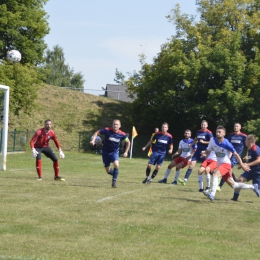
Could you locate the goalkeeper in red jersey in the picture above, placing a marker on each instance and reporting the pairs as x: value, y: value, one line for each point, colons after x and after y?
x: 40, y: 144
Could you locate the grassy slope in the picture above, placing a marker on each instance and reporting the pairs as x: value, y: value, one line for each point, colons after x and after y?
x: 71, y: 112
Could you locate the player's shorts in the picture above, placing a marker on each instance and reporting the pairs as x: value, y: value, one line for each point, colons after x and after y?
x: 255, y: 177
x: 210, y: 163
x: 180, y: 160
x: 109, y: 157
x: 197, y: 156
x: 156, y: 158
x: 225, y: 170
x: 47, y: 151
x: 233, y: 160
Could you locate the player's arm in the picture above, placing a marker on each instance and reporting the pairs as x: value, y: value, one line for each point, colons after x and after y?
x: 127, y: 142
x: 245, y: 167
x: 194, y: 141
x: 148, y: 144
x: 205, y: 153
x: 255, y: 162
x: 171, y: 148
x: 92, y: 142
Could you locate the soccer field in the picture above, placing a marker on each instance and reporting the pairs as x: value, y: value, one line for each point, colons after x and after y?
x: 84, y: 218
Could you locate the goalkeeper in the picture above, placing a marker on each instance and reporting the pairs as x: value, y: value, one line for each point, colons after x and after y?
x: 40, y: 144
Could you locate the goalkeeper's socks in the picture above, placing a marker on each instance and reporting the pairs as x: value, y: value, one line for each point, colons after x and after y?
x: 56, y: 168
x: 39, y: 167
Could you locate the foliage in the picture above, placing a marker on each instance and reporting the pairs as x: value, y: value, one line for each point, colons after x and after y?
x: 208, y: 70
x: 23, y: 26
x: 60, y: 74
x: 24, y: 82
x: 119, y: 77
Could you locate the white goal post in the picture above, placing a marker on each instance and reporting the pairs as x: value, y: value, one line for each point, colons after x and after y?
x: 5, y: 126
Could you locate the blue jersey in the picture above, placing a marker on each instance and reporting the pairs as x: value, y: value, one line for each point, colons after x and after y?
x: 112, y: 140
x: 253, y: 154
x: 238, y: 141
x: 161, y: 142
x: 205, y: 136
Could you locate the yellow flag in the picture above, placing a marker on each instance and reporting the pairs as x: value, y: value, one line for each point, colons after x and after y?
x: 134, y: 132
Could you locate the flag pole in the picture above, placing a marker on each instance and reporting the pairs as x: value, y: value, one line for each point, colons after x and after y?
x: 134, y: 134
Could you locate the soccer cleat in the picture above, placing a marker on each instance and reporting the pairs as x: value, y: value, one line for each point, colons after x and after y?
x: 205, y: 192
x: 145, y: 180
x: 207, y: 188
x: 163, y: 181
x: 39, y: 179
x: 201, y: 190
x: 210, y: 196
x: 149, y: 181
x: 114, y: 184
x: 182, y: 181
x: 218, y: 189
x: 174, y: 182
x: 58, y: 178
x: 231, y: 200
x: 256, y: 190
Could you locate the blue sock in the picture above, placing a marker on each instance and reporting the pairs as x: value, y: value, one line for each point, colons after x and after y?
x: 111, y: 171
x: 221, y: 183
x: 115, y: 173
x: 236, y: 194
x: 188, y: 173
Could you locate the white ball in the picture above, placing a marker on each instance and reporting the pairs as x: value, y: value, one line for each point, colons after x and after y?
x: 14, y: 56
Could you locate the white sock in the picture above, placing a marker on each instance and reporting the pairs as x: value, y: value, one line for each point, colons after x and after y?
x: 208, y: 179
x: 241, y: 185
x: 185, y: 180
x: 214, y: 186
x: 200, y: 181
x: 177, y: 174
x: 168, y: 171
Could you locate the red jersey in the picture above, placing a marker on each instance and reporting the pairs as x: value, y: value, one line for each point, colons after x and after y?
x: 41, y: 139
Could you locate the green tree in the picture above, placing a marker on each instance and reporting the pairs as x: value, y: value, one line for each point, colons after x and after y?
x: 23, y: 26
x: 59, y: 73
x: 208, y: 70
x: 119, y: 77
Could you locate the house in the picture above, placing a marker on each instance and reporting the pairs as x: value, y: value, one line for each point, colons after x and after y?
x: 117, y: 92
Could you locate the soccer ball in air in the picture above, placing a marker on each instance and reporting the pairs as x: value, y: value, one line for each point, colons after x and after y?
x: 14, y: 56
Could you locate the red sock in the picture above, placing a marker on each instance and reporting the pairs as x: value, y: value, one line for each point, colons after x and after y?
x: 39, y: 167
x: 56, y: 168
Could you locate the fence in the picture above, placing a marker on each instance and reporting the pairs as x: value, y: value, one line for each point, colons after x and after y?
x: 139, y: 142
x: 18, y: 140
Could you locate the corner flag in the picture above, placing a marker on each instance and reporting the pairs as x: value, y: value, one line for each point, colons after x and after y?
x: 134, y: 134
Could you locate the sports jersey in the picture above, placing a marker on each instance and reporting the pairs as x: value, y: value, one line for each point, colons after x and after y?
x: 253, y: 154
x: 112, y: 139
x: 162, y: 141
x: 205, y: 135
x: 222, y: 150
x: 186, y: 148
x: 212, y: 156
x: 41, y: 139
x: 238, y: 141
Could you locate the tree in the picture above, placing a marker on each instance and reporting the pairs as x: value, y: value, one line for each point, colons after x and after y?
x: 119, y: 77
x: 208, y: 70
x: 60, y: 74
x: 23, y: 26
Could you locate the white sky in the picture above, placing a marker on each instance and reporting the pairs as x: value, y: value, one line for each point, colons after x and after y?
x: 99, y: 36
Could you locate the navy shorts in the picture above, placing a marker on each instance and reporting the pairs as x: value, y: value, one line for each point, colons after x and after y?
x: 197, y: 156
x: 109, y: 157
x: 156, y: 158
x: 255, y: 177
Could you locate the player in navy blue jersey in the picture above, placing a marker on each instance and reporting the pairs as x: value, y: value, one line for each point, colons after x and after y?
x: 237, y: 138
x: 160, y: 143
x: 253, y: 161
x: 110, y: 148
x: 202, y: 139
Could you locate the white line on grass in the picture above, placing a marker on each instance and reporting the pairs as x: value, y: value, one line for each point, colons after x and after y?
x: 128, y: 192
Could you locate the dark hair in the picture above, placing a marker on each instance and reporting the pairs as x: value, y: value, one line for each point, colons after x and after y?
x: 221, y: 127
x: 47, y: 120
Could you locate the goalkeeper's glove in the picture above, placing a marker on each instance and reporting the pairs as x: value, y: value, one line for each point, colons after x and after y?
x: 62, y: 155
x: 34, y: 153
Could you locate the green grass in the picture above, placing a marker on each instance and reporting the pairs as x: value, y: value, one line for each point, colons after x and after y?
x: 84, y: 218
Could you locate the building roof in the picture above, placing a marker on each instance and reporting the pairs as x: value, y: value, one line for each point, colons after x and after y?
x: 117, y: 92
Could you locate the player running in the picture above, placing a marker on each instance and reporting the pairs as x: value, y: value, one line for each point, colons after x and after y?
x: 110, y: 148
x: 161, y: 141
x: 223, y: 149
x: 184, y: 153
x: 40, y: 144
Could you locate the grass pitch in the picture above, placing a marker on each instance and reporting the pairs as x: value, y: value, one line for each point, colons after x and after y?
x: 84, y: 218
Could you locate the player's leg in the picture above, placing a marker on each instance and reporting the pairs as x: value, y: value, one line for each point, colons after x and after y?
x: 152, y: 161
x: 212, y: 165
x: 200, y: 177
x: 158, y: 161
x: 189, y: 171
x: 168, y: 171
x: 217, y: 173
x: 38, y: 163
x: 106, y: 161
x: 177, y: 173
x: 115, y: 173
x: 237, y: 191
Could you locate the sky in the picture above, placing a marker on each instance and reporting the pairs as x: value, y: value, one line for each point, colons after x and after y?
x: 98, y: 37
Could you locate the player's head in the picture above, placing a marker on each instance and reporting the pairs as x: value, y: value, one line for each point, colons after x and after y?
x: 156, y: 129
x: 220, y: 132
x: 116, y: 125
x: 204, y: 124
x: 250, y: 140
x: 187, y: 133
x: 165, y: 127
x: 237, y: 127
x: 47, y: 124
